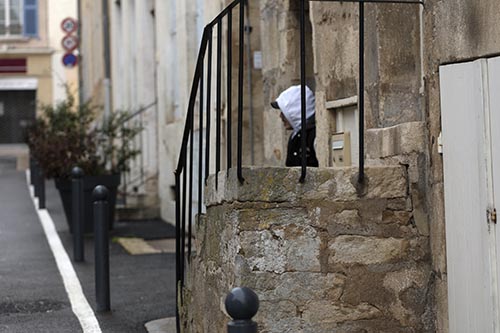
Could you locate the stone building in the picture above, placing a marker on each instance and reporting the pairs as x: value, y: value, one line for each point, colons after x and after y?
x: 153, y: 48
x: 31, y: 67
x: 331, y: 254
x: 181, y: 23
x: 119, y: 72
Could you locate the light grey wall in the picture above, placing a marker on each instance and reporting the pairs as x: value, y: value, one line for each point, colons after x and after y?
x: 453, y: 32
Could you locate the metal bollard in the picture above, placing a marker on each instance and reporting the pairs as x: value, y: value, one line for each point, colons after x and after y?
x: 101, y: 216
x: 242, y: 304
x: 41, y: 188
x: 77, y: 221
x: 34, y: 177
x: 32, y: 170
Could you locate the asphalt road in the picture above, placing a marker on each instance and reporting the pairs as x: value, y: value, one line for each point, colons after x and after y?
x: 32, y: 295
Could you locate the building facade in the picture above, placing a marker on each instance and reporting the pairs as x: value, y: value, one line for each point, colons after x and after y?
x: 153, y: 51
x: 421, y: 63
x: 31, y: 69
x: 430, y: 106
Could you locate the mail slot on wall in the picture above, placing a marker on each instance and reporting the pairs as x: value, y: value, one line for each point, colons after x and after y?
x: 340, y: 149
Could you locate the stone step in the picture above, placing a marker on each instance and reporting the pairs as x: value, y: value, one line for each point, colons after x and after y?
x: 19, y: 152
x: 137, y: 213
x: 164, y: 325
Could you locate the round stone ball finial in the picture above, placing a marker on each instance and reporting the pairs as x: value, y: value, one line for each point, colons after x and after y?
x: 77, y: 172
x: 242, y: 303
x: 100, y: 193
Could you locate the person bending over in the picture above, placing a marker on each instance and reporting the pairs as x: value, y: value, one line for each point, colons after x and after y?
x: 289, y: 103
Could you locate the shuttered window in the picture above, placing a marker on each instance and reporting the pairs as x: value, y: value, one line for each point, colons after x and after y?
x: 19, y: 18
x: 31, y: 18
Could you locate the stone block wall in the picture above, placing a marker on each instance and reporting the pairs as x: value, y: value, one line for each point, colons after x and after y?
x: 324, y: 256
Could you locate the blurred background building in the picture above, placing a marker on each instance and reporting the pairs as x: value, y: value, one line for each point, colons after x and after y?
x: 31, y: 64
x: 31, y: 67
x: 140, y: 56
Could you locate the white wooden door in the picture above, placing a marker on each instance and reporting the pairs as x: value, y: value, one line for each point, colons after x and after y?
x: 469, y: 99
x: 494, y: 112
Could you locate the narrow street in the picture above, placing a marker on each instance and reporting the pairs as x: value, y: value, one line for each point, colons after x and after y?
x: 33, y: 297
x: 32, y: 294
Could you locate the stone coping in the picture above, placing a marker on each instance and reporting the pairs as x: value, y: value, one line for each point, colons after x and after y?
x: 279, y: 184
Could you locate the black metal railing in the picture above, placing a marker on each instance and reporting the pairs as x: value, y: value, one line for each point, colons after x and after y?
x: 201, y: 92
x: 216, y: 31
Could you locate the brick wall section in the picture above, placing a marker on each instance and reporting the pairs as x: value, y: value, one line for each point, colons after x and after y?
x: 324, y: 256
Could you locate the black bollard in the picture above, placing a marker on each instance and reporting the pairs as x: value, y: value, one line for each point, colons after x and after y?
x: 32, y: 170
x: 41, y: 188
x: 34, y: 176
x: 101, y: 216
x: 77, y: 220
x: 242, y: 304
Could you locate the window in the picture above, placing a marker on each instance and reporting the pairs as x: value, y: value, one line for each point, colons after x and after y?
x: 18, y: 18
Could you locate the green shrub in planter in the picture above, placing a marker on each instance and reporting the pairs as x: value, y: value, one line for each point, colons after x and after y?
x: 67, y: 135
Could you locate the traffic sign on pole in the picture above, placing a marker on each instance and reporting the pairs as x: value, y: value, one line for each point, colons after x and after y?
x: 69, y: 25
x: 70, y: 60
x: 69, y: 43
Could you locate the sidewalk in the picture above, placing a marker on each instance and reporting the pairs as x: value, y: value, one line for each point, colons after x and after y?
x: 142, y: 286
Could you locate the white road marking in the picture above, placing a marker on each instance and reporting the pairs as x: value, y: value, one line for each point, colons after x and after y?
x: 79, y: 304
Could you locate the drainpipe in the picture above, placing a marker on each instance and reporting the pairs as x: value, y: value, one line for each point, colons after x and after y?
x: 107, y: 70
x: 80, y: 69
x: 107, y: 61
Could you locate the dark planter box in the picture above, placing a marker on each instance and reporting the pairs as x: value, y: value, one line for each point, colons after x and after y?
x: 89, y: 183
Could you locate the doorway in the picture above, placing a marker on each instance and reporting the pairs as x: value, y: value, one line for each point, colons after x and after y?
x: 17, y: 113
x: 470, y: 116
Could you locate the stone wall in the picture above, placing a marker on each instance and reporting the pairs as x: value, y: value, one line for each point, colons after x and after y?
x: 393, y: 74
x: 323, y: 256
x: 404, y: 46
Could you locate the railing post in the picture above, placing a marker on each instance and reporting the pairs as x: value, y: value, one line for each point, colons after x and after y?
x: 242, y: 304
x: 239, y: 152
x: 101, y: 216
x: 218, y: 102
x: 303, y: 89
x: 208, y: 106
x: 77, y: 220
x: 361, y: 92
x: 179, y: 273
x: 229, y: 87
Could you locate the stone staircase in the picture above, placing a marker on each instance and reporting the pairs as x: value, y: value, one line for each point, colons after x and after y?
x: 329, y: 255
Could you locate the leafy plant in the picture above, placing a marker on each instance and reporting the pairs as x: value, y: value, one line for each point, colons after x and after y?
x: 115, y: 140
x: 67, y: 134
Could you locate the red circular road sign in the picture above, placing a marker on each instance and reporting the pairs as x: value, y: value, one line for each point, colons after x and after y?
x: 69, y: 43
x: 69, y: 60
x: 69, y: 25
